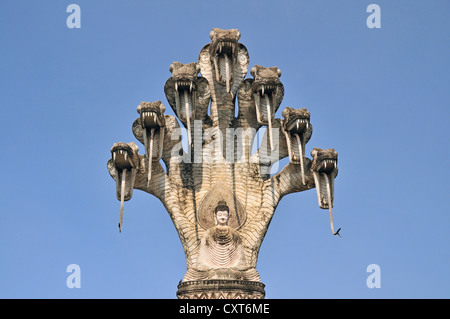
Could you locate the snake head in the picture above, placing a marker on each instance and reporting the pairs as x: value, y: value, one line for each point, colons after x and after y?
x: 123, y: 166
x: 149, y: 130
x: 125, y: 156
x: 151, y: 114
x: 324, y: 169
x: 224, y: 41
x: 298, y: 130
x: 181, y: 90
x: 184, y: 75
x: 224, y: 53
x: 268, y: 92
x: 324, y: 161
x: 187, y: 93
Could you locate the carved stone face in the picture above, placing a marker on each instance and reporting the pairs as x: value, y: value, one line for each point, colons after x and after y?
x: 222, y: 217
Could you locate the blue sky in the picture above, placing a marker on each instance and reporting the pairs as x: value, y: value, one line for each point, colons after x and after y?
x: 380, y: 97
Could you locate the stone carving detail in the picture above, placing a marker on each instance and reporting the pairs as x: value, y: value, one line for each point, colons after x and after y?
x: 220, y: 195
x: 188, y: 94
x: 206, y: 211
x: 220, y: 289
x: 123, y: 167
x: 297, y: 130
x: 221, y: 254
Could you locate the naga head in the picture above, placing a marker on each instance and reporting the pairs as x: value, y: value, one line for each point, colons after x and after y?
x: 223, y: 52
x: 324, y: 169
x: 181, y: 89
x: 224, y: 41
x: 151, y: 114
x: 324, y: 161
x: 297, y: 130
x: 296, y: 121
x: 184, y: 75
x: 268, y: 92
x: 149, y: 130
x: 123, y: 167
x: 125, y: 156
x: 187, y: 93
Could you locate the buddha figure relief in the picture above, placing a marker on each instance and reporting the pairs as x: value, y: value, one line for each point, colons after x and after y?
x: 221, y: 253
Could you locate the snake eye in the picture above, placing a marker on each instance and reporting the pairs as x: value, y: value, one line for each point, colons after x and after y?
x: 171, y: 68
x: 253, y: 71
x: 238, y: 35
x: 279, y: 73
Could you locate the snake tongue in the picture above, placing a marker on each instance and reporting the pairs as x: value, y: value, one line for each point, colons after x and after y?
x: 322, y: 179
x: 223, y: 65
x: 269, y: 120
x: 150, y: 155
x: 227, y: 73
x: 330, y: 205
x: 188, y: 119
x: 122, y: 197
x: 300, y: 152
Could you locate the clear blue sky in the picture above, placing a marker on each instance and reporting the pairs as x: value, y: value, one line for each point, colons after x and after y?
x: 380, y: 97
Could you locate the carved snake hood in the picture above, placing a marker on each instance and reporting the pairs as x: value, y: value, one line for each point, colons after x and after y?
x: 123, y: 167
x: 324, y: 169
x: 260, y: 97
x: 188, y: 94
x: 297, y: 130
x: 224, y: 63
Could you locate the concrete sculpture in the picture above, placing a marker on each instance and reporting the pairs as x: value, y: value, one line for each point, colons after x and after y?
x: 220, y: 194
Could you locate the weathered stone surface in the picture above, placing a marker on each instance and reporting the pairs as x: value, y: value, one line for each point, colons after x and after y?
x: 221, y: 289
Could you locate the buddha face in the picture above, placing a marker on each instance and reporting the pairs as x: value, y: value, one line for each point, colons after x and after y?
x: 222, y: 217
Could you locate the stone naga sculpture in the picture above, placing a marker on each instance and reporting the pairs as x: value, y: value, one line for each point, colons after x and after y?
x: 151, y: 123
x: 218, y: 172
x: 123, y: 168
x: 188, y: 94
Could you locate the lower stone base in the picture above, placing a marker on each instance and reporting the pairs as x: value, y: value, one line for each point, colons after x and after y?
x: 221, y: 289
